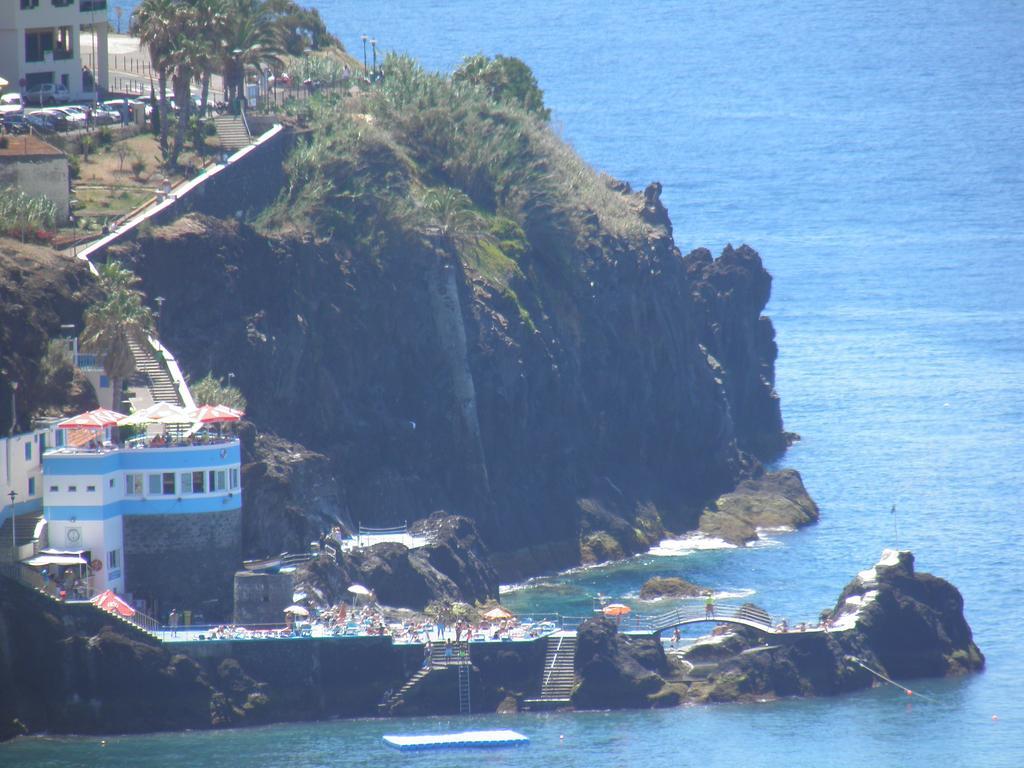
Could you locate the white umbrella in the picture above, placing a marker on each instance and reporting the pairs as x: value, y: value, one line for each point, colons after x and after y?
x: 297, y: 610
x: 356, y: 590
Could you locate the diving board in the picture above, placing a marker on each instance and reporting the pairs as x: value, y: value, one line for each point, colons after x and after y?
x: 500, y: 738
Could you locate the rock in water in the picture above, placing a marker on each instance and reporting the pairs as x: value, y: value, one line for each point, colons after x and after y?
x: 669, y: 587
x: 774, y: 500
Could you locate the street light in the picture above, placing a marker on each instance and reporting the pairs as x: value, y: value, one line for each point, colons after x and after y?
x: 14, y: 541
x: 159, y: 312
x: 373, y: 44
x: 363, y: 38
x: 14, y: 405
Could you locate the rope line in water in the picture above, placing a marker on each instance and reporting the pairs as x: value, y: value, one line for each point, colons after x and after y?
x: 882, y: 677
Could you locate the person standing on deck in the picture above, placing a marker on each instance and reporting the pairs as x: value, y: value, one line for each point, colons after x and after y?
x: 709, y: 607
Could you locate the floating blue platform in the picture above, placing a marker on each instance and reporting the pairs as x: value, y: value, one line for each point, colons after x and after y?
x: 465, y: 739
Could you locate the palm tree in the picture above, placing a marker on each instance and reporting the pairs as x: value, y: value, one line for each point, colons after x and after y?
x: 449, y: 216
x: 251, y: 39
x: 157, y: 24
x: 115, y: 320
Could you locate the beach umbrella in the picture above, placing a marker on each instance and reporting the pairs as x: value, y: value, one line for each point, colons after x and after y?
x: 498, y: 613
x: 357, y: 590
x: 616, y: 609
x: 297, y: 610
x: 214, y: 414
x: 111, y: 602
x: 101, y: 418
x: 157, y: 413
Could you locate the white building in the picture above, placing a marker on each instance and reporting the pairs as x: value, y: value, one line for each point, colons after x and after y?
x: 21, y: 473
x: 40, y: 43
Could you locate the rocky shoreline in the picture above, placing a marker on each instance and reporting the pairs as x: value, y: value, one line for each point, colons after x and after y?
x: 66, y: 669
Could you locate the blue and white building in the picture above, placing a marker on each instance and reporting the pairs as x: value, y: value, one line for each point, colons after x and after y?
x: 126, y: 507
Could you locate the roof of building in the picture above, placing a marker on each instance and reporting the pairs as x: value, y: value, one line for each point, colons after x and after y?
x: 28, y: 146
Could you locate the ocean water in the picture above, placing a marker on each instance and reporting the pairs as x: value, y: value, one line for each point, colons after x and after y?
x: 872, y: 152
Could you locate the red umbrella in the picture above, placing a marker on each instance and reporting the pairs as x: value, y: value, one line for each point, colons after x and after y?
x: 211, y: 414
x: 111, y: 602
x: 101, y: 418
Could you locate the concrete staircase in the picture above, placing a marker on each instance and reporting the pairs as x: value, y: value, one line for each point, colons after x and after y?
x: 24, y: 529
x: 160, y: 386
x: 232, y: 132
x: 559, y: 674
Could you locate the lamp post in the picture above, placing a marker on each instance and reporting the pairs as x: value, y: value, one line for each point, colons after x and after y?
x: 373, y: 44
x: 363, y: 38
x: 231, y: 378
x: 159, y: 312
x: 14, y: 541
x: 14, y: 405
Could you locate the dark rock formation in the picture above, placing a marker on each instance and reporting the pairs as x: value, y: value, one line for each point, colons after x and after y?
x: 575, y: 415
x: 39, y: 291
x: 669, y: 587
x: 773, y: 500
x: 618, y: 672
x: 452, y: 567
x: 291, y: 496
x: 890, y: 619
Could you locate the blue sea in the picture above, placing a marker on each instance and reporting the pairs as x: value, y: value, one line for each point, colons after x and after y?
x: 873, y: 153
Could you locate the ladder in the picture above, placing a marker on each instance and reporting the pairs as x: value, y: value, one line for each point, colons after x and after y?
x: 465, y: 707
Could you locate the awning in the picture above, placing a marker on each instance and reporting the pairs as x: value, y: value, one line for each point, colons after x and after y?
x: 42, y: 560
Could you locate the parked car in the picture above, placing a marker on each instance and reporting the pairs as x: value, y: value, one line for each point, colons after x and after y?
x: 106, y: 115
x: 47, y: 93
x: 123, y: 108
x: 75, y: 115
x: 11, y: 103
x: 47, y: 120
x: 14, y: 122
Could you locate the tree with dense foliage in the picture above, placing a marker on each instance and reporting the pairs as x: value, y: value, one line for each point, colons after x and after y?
x: 300, y: 29
x: 505, y: 78
x: 210, y: 390
x: 156, y: 23
x: 115, y: 320
x: 251, y: 41
x: 449, y: 216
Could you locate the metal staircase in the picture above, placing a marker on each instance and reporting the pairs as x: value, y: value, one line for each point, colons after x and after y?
x: 465, y: 705
x: 232, y: 131
x: 160, y: 385
x: 439, y: 662
x: 559, y: 673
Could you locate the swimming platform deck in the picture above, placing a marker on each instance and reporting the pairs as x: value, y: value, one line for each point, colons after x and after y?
x: 497, y: 738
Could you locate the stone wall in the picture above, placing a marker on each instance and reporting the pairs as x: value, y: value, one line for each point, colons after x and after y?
x: 47, y: 176
x: 260, y: 598
x: 184, y: 561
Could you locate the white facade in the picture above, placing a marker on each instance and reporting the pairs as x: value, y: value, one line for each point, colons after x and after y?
x: 40, y: 43
x: 21, y: 471
x: 87, y: 495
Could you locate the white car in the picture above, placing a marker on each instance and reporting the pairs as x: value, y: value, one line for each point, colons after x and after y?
x: 47, y: 93
x: 11, y: 103
x: 75, y: 115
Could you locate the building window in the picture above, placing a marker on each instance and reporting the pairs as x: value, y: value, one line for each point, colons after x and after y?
x: 192, y: 482
x: 29, y: 4
x: 90, y: 489
x: 133, y: 484
x: 63, y: 47
x: 234, y: 479
x: 110, y: 483
x: 161, y: 484
x: 28, y: 451
x: 88, y: 6
x: 72, y: 489
x: 62, y: 3
x: 53, y: 489
x: 114, y: 559
x: 217, y: 478
x: 38, y: 44
x: 31, y: 486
